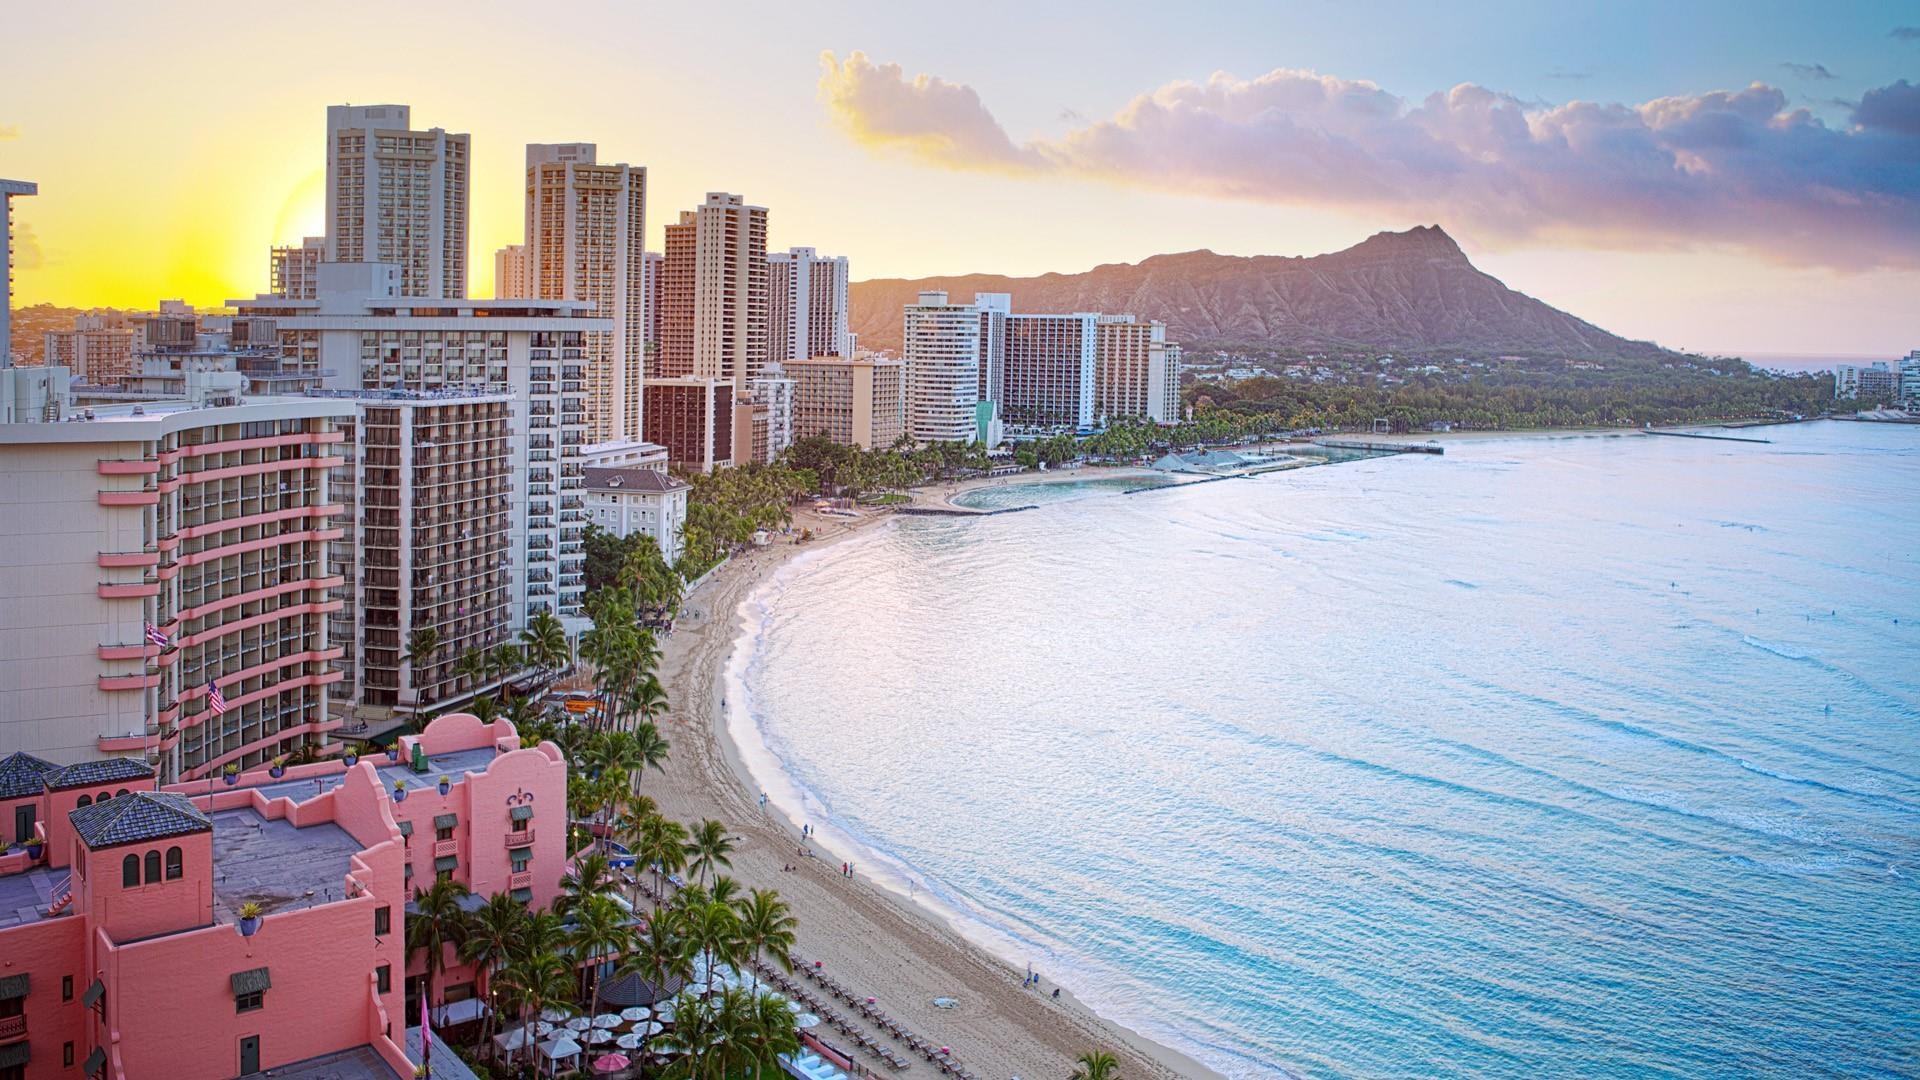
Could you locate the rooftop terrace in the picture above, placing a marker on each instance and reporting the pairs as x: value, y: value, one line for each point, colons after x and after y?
x: 276, y: 865
x: 24, y: 897
x: 450, y: 765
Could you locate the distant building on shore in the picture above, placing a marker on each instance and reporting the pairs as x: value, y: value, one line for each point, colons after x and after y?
x: 855, y: 401
x: 294, y: 272
x: 629, y: 501
x: 1877, y: 381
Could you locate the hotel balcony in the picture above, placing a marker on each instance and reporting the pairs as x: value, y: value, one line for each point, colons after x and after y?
x: 13, y: 1029
x: 520, y: 839
x: 521, y: 880
x: 443, y: 848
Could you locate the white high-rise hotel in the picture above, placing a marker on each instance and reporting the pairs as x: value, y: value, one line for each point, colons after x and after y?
x: 397, y: 196
x: 807, y: 305
x: 586, y: 241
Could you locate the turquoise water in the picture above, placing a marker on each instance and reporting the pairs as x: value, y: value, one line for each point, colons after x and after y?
x: 1582, y: 756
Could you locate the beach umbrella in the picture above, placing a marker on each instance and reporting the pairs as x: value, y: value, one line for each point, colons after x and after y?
x: 636, y: 1013
x: 598, y: 1036
x: 579, y: 1023
x: 608, y: 1020
x: 542, y: 1029
x: 649, y: 1029
x: 553, y: 1015
x: 805, y: 1021
x: 630, y: 1041
x: 612, y: 1063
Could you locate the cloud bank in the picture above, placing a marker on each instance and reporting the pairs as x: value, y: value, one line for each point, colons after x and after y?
x: 1728, y: 168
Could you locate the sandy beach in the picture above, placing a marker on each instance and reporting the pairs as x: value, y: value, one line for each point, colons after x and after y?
x: 872, y: 941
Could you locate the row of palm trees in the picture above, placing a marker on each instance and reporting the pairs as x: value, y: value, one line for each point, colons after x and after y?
x: 542, y: 645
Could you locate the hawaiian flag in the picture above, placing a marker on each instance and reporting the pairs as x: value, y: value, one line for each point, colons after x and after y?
x: 216, y: 700
x: 155, y: 637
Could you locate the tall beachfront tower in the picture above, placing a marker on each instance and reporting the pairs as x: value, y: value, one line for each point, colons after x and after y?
x: 395, y: 195
x: 160, y: 550
x: 8, y: 190
x: 940, y: 344
x: 1048, y: 372
x: 586, y: 230
x: 807, y: 305
x: 294, y: 271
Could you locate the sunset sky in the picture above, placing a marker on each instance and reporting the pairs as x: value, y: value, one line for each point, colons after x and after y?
x: 1727, y: 177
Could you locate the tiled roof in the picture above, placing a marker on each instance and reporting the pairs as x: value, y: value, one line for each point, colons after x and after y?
x: 138, y: 817
x: 640, y: 480
x: 22, y: 774
x: 105, y: 771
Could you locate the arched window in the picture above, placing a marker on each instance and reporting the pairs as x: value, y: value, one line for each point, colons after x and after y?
x: 86, y: 800
x: 130, y: 871
x: 153, y: 868
x: 174, y: 864
x: 119, y: 793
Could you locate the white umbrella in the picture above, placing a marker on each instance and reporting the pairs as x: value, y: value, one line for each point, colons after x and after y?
x: 629, y: 1041
x: 792, y: 1006
x: 542, y: 1029
x: 636, y: 1013
x: 609, y: 1020
x: 553, y: 1015
x: 512, y: 1039
x: 598, y: 1036
x: 805, y: 1021
x: 649, y: 1029
x: 664, y: 1012
x: 579, y: 1023
x: 560, y: 1047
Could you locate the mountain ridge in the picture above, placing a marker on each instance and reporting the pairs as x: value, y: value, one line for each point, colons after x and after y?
x: 1413, y: 290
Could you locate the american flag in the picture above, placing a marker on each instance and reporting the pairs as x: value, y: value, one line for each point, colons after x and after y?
x: 155, y: 637
x: 216, y: 700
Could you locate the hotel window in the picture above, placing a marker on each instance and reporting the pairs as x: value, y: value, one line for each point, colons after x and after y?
x: 521, y: 859
x: 249, y: 1002
x: 86, y: 800
x: 382, y: 920
x: 66, y: 988
x: 130, y: 872
x: 383, y: 978
x: 153, y: 868
x: 66, y: 1056
x: 175, y: 864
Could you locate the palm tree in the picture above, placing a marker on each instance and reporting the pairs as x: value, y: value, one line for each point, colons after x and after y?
x: 493, y: 935
x: 441, y: 922
x: 773, y: 1033
x: 533, y: 983
x: 1096, y: 1065
x: 646, y: 749
x: 709, y: 847
x: 661, y: 844
x: 485, y: 709
x: 545, y: 641
x: 766, y: 928
x: 589, y: 877
x: 600, y: 932
x: 662, y: 954
x: 714, y: 929
x: 472, y: 666
x: 422, y: 643
x: 504, y: 660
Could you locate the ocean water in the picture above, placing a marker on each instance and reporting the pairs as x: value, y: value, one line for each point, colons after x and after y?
x: 1555, y: 756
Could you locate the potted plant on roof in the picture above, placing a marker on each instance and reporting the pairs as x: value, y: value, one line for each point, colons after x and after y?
x: 34, y: 847
x: 231, y: 773
x: 446, y: 785
x: 393, y: 752
x: 350, y: 757
x: 399, y: 791
x: 278, y: 768
x: 250, y: 913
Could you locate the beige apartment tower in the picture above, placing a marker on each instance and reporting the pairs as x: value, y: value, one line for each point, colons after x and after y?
x: 295, y: 271
x: 395, y: 195
x: 512, y: 275
x: 855, y: 402
x: 586, y: 229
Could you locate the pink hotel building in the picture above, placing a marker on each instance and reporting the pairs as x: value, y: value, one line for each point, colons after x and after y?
x: 122, y: 954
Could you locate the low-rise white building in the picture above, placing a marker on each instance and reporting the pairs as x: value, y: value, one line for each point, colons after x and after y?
x: 625, y: 501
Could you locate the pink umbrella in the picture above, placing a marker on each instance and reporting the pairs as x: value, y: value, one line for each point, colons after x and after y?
x: 611, y: 1063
